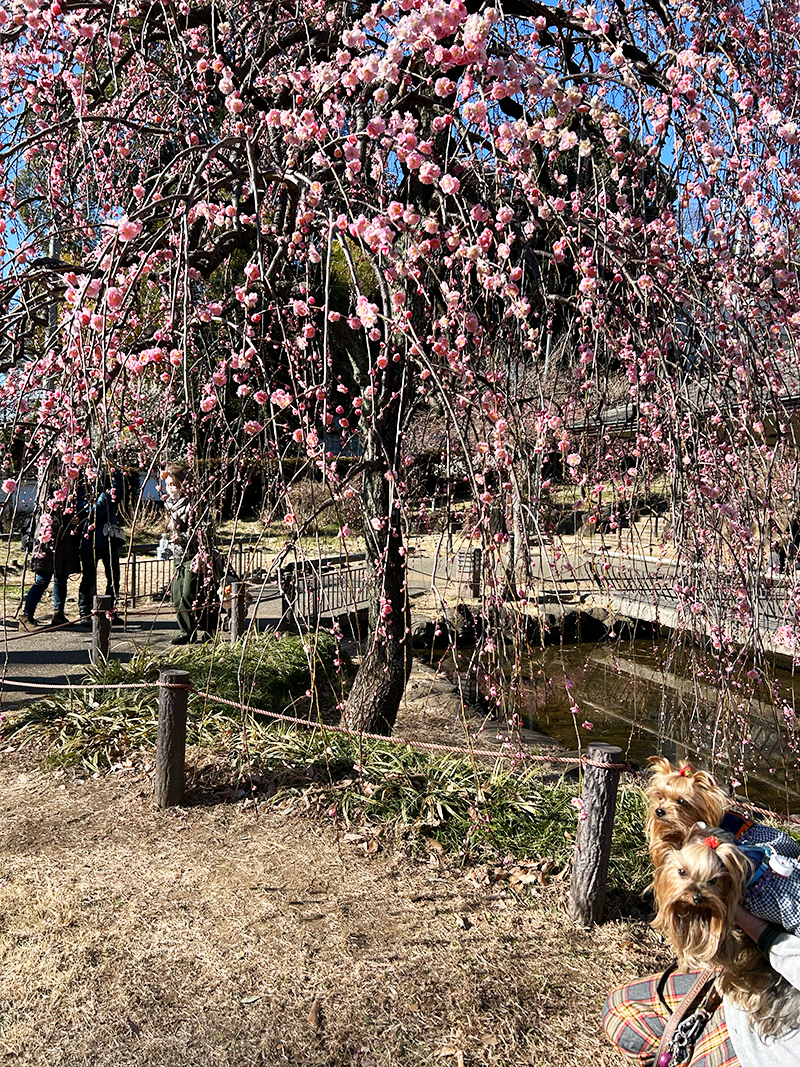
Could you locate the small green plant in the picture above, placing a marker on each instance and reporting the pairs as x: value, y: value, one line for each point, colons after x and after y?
x: 97, y: 727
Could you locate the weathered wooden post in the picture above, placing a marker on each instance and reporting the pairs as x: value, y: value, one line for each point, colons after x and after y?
x: 101, y: 628
x: 477, y: 564
x: 472, y: 688
x: 173, y: 699
x: 593, y: 846
x: 288, y: 586
x: 314, y: 596
x: 238, y: 611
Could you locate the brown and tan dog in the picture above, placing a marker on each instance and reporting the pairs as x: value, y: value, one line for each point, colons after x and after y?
x: 679, y: 797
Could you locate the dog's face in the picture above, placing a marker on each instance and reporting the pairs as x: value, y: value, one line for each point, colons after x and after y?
x: 697, y: 889
x: 678, y: 799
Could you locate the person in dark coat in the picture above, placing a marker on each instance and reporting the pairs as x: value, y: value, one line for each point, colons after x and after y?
x: 195, y: 592
x: 99, y: 546
x: 55, y: 556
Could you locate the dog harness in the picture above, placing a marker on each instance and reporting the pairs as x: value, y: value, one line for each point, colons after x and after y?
x: 773, y: 891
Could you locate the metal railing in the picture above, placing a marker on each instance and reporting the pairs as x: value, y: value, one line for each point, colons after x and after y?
x: 671, y: 584
x: 465, y: 568
x: 312, y: 589
x: 149, y: 578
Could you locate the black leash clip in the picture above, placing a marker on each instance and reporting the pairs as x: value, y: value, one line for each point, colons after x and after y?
x: 681, y: 1047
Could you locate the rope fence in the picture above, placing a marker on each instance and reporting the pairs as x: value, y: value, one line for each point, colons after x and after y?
x: 517, y: 756
x: 601, y: 768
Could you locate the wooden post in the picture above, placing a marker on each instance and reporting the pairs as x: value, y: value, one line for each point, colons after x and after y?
x: 477, y: 561
x: 238, y: 611
x: 472, y: 688
x: 288, y: 584
x: 173, y: 699
x: 314, y: 597
x: 593, y: 847
x: 132, y: 579
x: 101, y: 628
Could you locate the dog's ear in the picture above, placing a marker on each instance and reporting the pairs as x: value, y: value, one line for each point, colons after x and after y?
x: 663, y: 878
x: 717, y: 930
x: 738, y: 868
x: 706, y: 781
x: 714, y: 798
x: 660, y: 765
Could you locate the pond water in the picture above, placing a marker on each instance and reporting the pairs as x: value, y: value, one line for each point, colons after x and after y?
x: 649, y: 699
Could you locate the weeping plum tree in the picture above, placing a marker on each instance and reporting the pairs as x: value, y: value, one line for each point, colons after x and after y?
x: 284, y: 230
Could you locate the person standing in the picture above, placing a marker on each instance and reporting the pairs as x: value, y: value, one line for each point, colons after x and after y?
x: 634, y: 1017
x: 55, y: 556
x: 194, y: 585
x: 99, y: 545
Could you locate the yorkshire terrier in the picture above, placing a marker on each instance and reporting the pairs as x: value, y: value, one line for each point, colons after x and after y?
x: 680, y: 797
x: 698, y: 888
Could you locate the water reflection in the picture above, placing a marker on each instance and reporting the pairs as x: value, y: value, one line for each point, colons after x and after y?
x: 673, y: 700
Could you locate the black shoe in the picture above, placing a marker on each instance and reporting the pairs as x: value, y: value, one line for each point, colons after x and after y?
x: 28, y: 623
x: 59, y: 619
x: 180, y: 639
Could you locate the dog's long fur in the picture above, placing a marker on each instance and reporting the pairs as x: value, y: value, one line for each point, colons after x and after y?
x: 697, y: 889
x: 679, y: 797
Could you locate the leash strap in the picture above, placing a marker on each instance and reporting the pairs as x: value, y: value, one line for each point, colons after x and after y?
x: 688, y: 1020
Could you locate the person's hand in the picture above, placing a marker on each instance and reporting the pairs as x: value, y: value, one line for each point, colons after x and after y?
x: 749, y: 923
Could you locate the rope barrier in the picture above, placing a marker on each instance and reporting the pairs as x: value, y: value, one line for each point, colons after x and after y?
x: 425, y: 746
x: 21, y: 684
x: 749, y: 806
x: 21, y: 636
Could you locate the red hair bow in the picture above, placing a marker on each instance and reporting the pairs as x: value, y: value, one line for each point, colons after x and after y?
x: 684, y: 771
x: 712, y: 842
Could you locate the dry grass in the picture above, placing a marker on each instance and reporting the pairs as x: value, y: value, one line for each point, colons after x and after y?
x: 221, y: 935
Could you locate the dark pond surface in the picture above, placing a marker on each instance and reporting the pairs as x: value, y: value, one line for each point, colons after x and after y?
x: 649, y: 699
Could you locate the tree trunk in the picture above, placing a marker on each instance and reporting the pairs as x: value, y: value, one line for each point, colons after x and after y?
x: 386, y: 664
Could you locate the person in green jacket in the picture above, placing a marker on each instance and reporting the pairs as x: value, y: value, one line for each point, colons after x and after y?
x: 194, y: 585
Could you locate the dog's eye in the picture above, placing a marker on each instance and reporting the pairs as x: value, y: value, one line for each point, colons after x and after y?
x: 712, y: 881
x: 681, y: 872
x: 681, y: 801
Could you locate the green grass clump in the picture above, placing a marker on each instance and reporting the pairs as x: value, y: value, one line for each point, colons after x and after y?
x: 474, y: 811
x: 99, y: 727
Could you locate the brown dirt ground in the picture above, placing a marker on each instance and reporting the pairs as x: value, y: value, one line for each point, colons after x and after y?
x: 223, y: 934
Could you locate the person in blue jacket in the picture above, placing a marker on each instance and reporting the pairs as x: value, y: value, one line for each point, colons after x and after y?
x: 99, y: 545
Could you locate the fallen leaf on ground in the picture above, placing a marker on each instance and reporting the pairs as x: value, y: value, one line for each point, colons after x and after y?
x: 315, y: 1014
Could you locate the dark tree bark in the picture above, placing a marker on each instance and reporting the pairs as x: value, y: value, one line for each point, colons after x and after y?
x: 386, y: 663
x: 385, y: 667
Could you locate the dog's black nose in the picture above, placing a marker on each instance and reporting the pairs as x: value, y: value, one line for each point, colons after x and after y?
x: 660, y: 813
x: 697, y: 897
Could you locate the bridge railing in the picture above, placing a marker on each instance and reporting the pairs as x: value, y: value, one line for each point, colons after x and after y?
x: 327, y: 587
x: 145, y: 577
x: 662, y: 582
